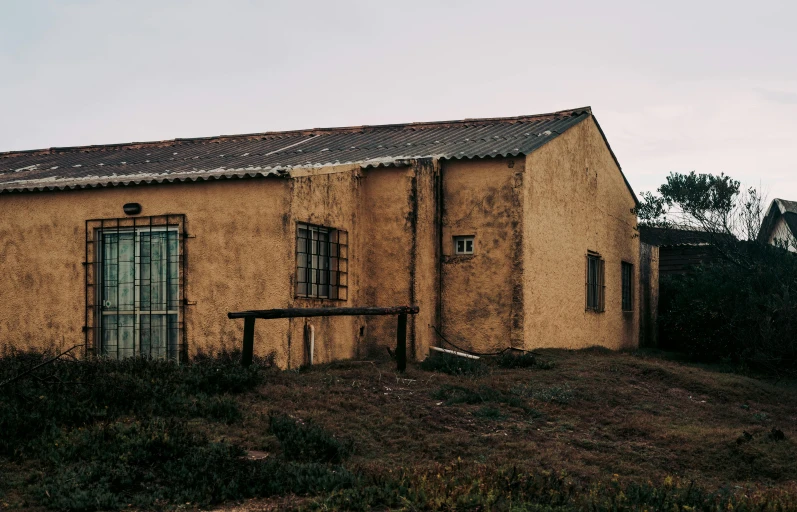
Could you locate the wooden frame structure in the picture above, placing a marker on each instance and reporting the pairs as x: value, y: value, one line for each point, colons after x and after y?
x: 267, y: 314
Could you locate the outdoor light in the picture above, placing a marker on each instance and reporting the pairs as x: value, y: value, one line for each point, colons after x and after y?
x: 132, y: 208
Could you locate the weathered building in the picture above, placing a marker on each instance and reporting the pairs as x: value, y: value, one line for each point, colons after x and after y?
x: 680, y: 250
x: 779, y: 225
x: 505, y: 232
x: 667, y: 251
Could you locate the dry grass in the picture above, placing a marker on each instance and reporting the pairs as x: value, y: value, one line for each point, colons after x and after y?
x: 595, y: 414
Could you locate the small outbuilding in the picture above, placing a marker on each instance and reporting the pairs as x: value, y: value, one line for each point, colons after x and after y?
x: 779, y: 226
x: 507, y: 232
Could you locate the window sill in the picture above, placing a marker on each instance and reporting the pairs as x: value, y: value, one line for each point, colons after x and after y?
x: 318, y: 300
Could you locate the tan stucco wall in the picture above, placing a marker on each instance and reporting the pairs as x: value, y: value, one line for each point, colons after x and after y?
x: 239, y: 257
x: 327, y: 197
x: 386, y: 249
x: 575, y: 201
x: 425, y: 271
x: 479, y: 306
x: 399, y: 241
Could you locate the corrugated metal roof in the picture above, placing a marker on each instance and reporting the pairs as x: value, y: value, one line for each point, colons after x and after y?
x: 673, y: 236
x: 274, y: 153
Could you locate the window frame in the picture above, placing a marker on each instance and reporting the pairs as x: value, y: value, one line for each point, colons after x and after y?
x: 595, y: 283
x: 465, y: 239
x: 627, y: 286
x: 332, y: 274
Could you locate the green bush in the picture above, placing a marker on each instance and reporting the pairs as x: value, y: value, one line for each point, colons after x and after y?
x: 159, y: 462
x: 452, y: 395
x: 556, y: 394
x: 488, y: 413
x: 453, y: 365
x: 70, y: 393
x: 306, y: 441
x: 461, y: 395
x: 741, y: 310
x: 510, y: 359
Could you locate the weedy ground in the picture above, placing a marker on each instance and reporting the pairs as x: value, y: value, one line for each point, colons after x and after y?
x: 565, y: 430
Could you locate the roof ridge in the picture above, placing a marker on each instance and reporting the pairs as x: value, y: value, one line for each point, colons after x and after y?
x: 289, y: 133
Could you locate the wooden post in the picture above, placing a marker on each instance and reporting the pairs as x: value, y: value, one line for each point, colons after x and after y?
x: 249, y: 341
x: 401, y: 343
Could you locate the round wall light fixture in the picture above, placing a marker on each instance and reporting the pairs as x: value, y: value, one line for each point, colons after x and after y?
x: 132, y: 209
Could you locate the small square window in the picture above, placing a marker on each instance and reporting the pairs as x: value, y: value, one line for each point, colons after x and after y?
x: 463, y: 244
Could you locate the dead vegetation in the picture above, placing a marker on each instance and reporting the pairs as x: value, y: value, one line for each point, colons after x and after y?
x: 638, y: 426
x: 593, y: 414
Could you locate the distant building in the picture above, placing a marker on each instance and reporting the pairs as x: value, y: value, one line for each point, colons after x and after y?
x: 679, y: 250
x: 663, y: 252
x: 780, y: 224
x: 505, y: 232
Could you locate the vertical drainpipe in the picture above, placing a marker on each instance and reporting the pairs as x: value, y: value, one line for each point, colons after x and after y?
x: 439, y: 196
x: 413, y: 248
x: 425, y: 219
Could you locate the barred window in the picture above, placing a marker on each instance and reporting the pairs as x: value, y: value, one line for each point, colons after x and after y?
x: 627, y: 276
x: 134, y: 287
x: 595, y: 282
x: 321, y: 262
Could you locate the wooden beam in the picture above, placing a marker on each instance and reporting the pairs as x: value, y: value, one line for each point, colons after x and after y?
x: 249, y: 342
x: 401, y: 343
x: 309, y: 312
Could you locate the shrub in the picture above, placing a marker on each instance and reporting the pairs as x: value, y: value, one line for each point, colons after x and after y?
x: 510, y: 359
x: 69, y: 393
x: 453, y: 365
x: 556, y: 394
x: 452, y: 395
x: 744, y: 314
x: 488, y: 413
x: 460, y: 395
x: 307, y: 442
x: 158, y: 462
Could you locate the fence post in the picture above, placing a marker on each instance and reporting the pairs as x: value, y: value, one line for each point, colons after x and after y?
x: 249, y: 341
x: 401, y: 343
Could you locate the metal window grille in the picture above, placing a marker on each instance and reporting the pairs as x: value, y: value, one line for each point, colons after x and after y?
x: 322, y: 262
x: 595, y: 283
x: 135, y: 287
x: 627, y: 277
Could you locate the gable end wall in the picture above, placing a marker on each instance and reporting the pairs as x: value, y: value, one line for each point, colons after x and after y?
x: 576, y: 200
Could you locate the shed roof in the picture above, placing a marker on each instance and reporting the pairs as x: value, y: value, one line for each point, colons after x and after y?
x: 675, y: 236
x: 275, y: 153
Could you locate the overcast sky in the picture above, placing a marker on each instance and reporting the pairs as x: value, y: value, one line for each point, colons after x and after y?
x: 704, y: 86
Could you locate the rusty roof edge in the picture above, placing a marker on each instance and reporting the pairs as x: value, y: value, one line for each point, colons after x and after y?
x: 290, y: 133
x: 138, y: 179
